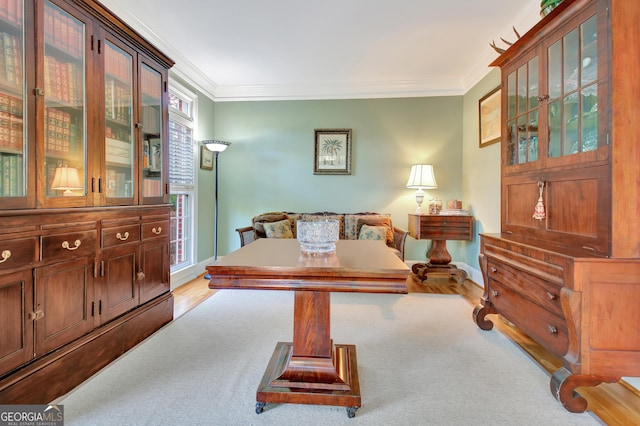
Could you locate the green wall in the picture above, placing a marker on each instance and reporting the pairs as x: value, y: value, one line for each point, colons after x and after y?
x: 269, y: 165
x: 481, y: 177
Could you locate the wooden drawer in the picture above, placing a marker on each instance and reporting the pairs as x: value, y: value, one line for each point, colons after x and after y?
x: 537, y: 290
x: 544, y: 327
x: 122, y: 234
x: 153, y: 230
x: 69, y: 245
x: 440, y: 227
x: 18, y: 252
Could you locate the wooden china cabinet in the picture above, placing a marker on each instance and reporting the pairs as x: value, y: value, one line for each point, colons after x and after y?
x: 566, y: 266
x: 84, y: 213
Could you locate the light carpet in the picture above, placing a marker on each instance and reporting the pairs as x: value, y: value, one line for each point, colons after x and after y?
x: 421, y: 361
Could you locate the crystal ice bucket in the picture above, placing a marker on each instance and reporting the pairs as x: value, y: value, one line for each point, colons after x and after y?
x: 318, y: 236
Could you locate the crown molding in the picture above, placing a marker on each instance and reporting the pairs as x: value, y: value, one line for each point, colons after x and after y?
x: 356, y: 90
x: 183, y: 68
x: 523, y: 22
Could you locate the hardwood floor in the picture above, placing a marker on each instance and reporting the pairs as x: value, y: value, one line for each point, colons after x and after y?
x: 614, y: 404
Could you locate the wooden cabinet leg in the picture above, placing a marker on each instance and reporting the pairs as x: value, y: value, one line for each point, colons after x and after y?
x: 479, y: 314
x: 563, y: 387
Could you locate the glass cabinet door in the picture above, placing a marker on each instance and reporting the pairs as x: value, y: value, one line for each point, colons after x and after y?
x: 65, y: 142
x: 522, y: 113
x: 119, y: 140
x: 151, y: 124
x: 13, y: 146
x: 573, y: 91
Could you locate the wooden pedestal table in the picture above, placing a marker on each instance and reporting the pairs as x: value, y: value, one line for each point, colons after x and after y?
x: 439, y: 229
x: 311, y: 369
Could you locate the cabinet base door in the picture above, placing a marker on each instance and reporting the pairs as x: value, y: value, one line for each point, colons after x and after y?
x: 16, y: 328
x: 64, y: 295
x: 118, y: 290
x: 154, y: 260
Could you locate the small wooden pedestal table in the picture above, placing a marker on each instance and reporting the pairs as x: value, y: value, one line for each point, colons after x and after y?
x: 440, y: 228
x: 311, y: 369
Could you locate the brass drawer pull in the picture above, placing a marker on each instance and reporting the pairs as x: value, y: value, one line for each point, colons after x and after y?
x: 552, y: 329
x: 157, y: 231
x: 494, y: 269
x: 551, y: 296
x: 121, y: 237
x: 140, y: 275
x: 6, y: 254
x: 76, y: 243
x: 495, y: 293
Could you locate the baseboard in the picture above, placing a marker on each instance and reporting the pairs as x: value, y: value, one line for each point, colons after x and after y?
x: 189, y: 273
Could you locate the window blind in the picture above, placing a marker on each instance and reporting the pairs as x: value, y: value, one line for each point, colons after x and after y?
x: 181, y: 158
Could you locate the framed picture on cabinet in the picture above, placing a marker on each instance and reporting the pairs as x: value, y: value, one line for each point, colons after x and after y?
x: 489, y: 113
x: 332, y: 152
x: 206, y: 158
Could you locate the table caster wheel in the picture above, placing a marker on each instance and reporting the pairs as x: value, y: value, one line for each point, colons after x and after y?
x: 260, y: 407
x: 351, y: 412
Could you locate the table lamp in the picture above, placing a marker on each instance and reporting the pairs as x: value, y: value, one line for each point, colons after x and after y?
x: 421, y: 177
x: 66, y: 179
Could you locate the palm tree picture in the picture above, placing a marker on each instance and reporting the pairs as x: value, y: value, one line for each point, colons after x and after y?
x: 332, y: 153
x: 330, y: 150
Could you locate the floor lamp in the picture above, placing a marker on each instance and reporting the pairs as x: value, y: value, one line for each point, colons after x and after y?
x: 216, y: 147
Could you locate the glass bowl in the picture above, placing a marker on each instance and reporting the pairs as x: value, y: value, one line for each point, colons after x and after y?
x: 317, y: 236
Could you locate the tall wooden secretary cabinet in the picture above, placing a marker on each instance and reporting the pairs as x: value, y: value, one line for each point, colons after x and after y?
x: 84, y: 213
x: 566, y: 266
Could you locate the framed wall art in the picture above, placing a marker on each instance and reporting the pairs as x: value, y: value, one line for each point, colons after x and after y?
x: 489, y: 112
x: 332, y: 152
x: 206, y: 158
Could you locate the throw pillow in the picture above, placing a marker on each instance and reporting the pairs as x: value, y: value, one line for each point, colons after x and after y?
x: 368, y: 232
x: 377, y: 221
x: 279, y: 229
x: 259, y: 221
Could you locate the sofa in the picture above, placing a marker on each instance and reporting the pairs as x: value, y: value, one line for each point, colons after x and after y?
x: 353, y: 226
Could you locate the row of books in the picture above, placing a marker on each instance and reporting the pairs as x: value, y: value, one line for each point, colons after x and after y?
x: 60, y: 131
x: 118, y: 65
x: 152, y: 187
x: 63, y: 31
x: 11, y: 123
x: 11, y: 70
x: 151, y: 120
x: 118, y: 185
x: 150, y: 84
x: 61, y: 81
x: 152, y: 154
x: 11, y: 175
x: 120, y: 134
x: 12, y: 11
x: 117, y: 102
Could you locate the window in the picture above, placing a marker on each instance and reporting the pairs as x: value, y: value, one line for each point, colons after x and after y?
x: 182, y: 176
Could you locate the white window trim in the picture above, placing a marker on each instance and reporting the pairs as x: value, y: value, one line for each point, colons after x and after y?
x: 190, y: 272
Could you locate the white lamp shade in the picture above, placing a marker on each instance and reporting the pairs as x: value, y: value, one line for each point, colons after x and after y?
x: 65, y: 179
x: 422, y: 177
x: 216, y: 146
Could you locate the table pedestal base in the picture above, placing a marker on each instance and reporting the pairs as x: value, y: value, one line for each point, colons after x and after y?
x: 279, y: 385
x: 422, y: 269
